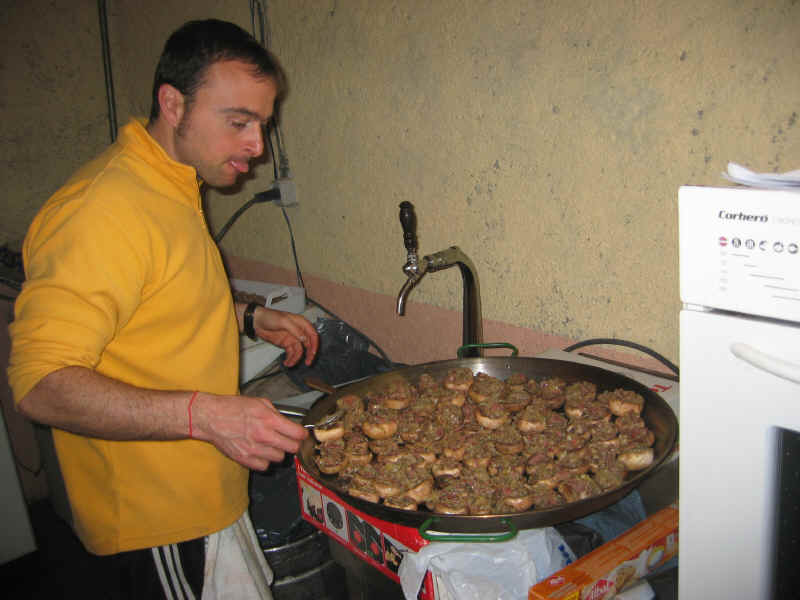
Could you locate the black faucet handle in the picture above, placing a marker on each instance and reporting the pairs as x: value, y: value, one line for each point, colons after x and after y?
x: 409, y: 222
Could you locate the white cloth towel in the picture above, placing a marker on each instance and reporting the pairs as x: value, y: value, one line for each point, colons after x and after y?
x: 235, y: 565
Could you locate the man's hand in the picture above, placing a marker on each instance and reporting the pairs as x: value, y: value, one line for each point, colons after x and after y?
x: 248, y: 430
x: 294, y: 333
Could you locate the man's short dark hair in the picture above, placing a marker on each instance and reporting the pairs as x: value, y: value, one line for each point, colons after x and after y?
x: 197, y: 45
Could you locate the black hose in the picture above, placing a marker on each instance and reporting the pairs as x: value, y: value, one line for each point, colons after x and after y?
x: 267, y: 196
x: 239, y: 212
x: 298, y: 273
x: 268, y: 135
x: 263, y: 33
x: 615, y: 342
x: 112, y: 109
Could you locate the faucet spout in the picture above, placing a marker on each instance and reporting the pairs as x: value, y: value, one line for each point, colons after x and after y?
x: 403, y: 296
x: 414, y: 270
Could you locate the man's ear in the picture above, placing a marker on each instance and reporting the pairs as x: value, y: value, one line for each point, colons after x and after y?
x: 172, y: 104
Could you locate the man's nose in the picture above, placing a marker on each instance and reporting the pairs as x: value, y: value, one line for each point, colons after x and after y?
x: 255, y: 142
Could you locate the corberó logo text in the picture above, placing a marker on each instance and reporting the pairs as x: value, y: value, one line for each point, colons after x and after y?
x: 740, y: 216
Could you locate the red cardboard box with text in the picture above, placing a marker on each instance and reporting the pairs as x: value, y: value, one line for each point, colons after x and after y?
x: 375, y: 541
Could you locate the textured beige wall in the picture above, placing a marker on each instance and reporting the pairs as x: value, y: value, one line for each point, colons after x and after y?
x: 52, y: 102
x: 546, y: 139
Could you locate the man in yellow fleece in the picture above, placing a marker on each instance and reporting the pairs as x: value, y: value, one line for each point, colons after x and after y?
x: 125, y: 338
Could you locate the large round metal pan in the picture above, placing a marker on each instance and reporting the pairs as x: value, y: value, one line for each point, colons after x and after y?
x: 657, y: 414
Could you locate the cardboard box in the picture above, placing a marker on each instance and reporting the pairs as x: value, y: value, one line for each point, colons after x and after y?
x: 375, y: 541
x: 617, y: 565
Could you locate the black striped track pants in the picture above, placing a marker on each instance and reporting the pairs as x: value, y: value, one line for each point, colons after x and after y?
x: 172, y: 572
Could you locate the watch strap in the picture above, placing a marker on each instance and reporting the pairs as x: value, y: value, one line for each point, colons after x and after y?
x: 249, y: 330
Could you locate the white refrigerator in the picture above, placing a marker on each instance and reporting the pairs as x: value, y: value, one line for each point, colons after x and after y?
x: 739, y: 481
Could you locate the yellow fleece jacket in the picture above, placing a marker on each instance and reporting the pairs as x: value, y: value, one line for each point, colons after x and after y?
x: 123, y: 277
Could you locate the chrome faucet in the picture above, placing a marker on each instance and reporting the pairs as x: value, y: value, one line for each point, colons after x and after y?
x: 415, y: 270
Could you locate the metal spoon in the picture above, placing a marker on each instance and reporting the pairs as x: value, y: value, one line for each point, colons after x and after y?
x: 299, y: 412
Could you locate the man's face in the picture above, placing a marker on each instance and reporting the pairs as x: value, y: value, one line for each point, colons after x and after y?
x: 224, y: 125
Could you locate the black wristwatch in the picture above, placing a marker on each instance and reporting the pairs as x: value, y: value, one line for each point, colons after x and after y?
x: 249, y: 330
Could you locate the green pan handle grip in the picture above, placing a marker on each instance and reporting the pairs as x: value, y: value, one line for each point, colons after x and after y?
x: 513, y: 348
x: 467, y: 537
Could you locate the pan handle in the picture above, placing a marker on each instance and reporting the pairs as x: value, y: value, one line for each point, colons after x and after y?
x: 467, y: 537
x: 465, y: 347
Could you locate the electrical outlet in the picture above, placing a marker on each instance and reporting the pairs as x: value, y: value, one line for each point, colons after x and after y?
x: 288, y: 192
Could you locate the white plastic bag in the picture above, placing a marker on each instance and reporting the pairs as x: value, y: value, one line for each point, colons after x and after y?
x: 476, y: 571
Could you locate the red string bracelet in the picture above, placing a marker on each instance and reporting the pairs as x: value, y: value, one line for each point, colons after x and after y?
x: 190, y: 412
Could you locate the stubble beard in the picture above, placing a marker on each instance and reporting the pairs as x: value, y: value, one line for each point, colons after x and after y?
x: 210, y: 178
x: 181, y: 135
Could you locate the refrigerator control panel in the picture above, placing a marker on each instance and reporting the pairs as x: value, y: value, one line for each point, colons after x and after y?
x: 740, y: 250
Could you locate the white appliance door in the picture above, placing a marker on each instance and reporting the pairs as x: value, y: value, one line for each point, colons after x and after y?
x: 739, y: 385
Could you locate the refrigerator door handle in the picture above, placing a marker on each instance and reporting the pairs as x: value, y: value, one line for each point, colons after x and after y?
x: 765, y: 362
